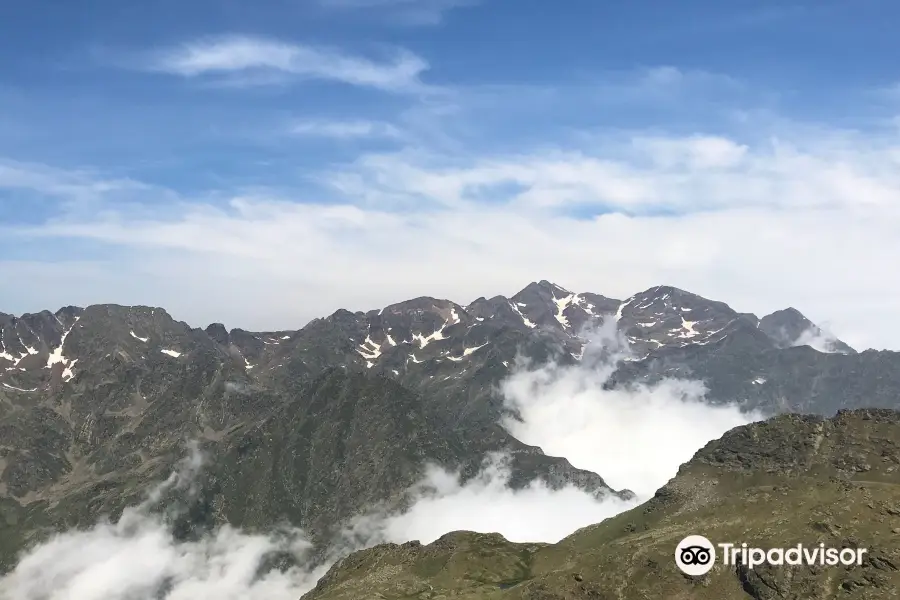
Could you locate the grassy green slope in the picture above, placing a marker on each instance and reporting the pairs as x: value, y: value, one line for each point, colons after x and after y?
x: 792, y: 479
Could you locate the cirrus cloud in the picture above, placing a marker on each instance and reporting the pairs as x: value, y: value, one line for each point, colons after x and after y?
x: 253, y: 60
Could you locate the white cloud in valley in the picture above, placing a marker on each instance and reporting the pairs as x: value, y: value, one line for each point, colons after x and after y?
x: 137, y: 557
x: 635, y: 439
x: 487, y: 504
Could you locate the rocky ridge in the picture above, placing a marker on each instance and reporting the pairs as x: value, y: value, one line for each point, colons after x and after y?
x: 96, y: 403
x: 792, y: 479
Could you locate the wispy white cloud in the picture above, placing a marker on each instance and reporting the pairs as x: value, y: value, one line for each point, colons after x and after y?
x: 407, y: 12
x: 77, y: 189
x: 57, y: 182
x: 247, y: 60
x: 349, y: 129
x: 696, y: 152
x: 748, y: 215
x: 818, y: 339
x: 644, y: 175
x: 667, y: 84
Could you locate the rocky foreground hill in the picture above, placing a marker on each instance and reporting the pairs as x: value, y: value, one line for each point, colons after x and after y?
x: 316, y: 424
x: 792, y: 479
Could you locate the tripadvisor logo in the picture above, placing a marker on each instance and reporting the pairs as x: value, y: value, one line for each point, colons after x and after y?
x: 695, y: 555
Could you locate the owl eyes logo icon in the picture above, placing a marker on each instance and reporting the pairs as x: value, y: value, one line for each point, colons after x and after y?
x: 695, y: 555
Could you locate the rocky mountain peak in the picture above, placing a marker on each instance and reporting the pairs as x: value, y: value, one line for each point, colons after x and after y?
x: 549, y: 306
x: 217, y: 332
x: 789, y: 327
x: 541, y: 289
x: 422, y: 304
x: 663, y: 298
x: 67, y: 314
x: 785, y: 326
x: 668, y: 316
x: 43, y: 350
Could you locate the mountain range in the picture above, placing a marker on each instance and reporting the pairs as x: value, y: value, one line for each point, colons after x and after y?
x: 314, y: 425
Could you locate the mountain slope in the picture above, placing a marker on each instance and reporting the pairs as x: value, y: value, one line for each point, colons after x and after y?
x: 96, y: 403
x: 792, y: 479
x: 350, y: 441
x: 314, y: 454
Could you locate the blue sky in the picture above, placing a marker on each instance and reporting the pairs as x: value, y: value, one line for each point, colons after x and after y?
x: 70, y: 98
x: 266, y: 162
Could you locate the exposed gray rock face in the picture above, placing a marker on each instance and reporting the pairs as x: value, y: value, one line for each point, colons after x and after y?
x: 96, y: 403
x: 788, y: 327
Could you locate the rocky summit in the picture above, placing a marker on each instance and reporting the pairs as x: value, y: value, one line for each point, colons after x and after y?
x: 313, y: 425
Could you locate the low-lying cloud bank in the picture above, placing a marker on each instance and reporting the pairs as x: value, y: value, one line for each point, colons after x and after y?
x: 139, y: 558
x: 634, y: 438
x: 486, y: 504
x: 818, y: 339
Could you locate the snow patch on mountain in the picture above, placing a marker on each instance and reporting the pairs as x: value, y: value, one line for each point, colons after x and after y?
x: 524, y: 318
x: 17, y: 389
x: 369, y: 350
x: 68, y: 373
x: 469, y: 351
x: 561, y: 305
x: 466, y: 352
x: 621, y: 308
x: 57, y: 357
x: 425, y: 340
x: 583, y: 303
x: 688, y: 329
